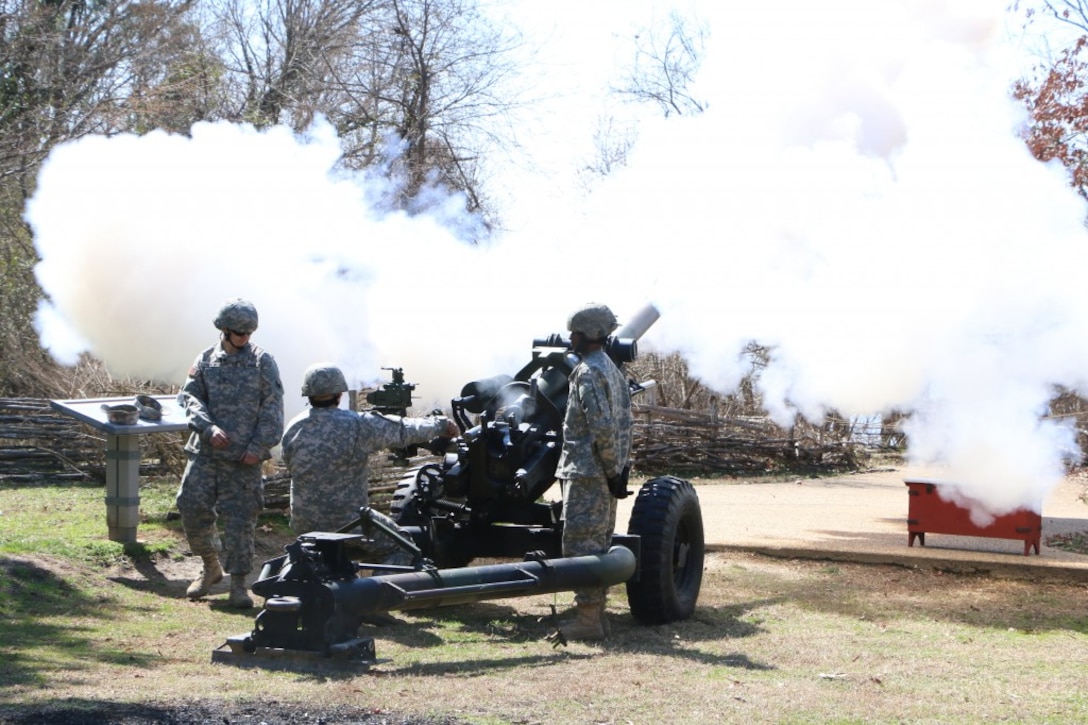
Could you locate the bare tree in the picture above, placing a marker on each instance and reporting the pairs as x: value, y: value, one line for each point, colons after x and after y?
x: 613, y: 140
x: 439, y: 77
x: 187, y: 86
x: 666, y: 59
x: 1073, y: 12
x: 427, y: 77
x: 666, y: 56
x: 282, y: 55
x: 68, y: 68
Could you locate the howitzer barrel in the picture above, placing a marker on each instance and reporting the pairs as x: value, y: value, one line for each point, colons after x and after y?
x: 372, y: 595
x: 637, y: 326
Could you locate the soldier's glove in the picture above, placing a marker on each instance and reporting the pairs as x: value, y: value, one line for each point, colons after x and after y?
x: 617, y: 485
x: 438, y: 446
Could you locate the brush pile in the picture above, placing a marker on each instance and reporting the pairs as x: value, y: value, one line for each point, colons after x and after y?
x: 39, y: 444
x: 672, y: 440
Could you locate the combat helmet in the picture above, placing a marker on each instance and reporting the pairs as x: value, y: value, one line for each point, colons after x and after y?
x: 238, y: 315
x: 321, y: 379
x: 594, y: 320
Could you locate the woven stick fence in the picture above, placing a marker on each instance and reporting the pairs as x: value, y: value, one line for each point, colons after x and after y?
x: 39, y: 444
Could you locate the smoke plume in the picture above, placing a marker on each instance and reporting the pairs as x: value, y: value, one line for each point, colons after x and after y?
x: 855, y: 197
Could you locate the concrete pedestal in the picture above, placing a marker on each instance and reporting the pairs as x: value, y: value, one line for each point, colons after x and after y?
x: 123, y: 455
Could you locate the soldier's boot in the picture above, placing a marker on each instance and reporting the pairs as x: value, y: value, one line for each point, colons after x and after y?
x: 212, y: 574
x: 239, y: 596
x: 587, y: 625
x: 606, y: 626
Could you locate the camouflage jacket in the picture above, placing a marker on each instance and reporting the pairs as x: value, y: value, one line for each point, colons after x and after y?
x: 597, y: 426
x: 240, y: 393
x: 326, y: 451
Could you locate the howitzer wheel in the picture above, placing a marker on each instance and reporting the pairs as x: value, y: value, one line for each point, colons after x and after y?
x: 402, y: 508
x: 668, y: 519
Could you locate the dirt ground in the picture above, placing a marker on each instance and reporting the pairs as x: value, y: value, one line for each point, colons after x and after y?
x: 207, y: 713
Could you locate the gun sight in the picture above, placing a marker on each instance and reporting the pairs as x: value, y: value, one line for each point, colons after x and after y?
x: 394, y: 397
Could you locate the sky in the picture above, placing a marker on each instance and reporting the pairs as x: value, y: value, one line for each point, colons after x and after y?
x: 854, y: 197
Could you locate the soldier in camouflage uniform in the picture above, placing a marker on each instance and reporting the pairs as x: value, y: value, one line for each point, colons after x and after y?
x: 233, y: 399
x: 326, y: 449
x: 594, y: 459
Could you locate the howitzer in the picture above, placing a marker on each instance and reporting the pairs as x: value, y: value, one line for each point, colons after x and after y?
x: 488, y: 498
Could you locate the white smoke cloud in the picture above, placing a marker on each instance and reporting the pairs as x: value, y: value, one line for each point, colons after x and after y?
x: 855, y: 197
x: 143, y: 238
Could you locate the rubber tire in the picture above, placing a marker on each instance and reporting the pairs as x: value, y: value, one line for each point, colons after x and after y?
x: 668, y: 519
x: 399, y: 511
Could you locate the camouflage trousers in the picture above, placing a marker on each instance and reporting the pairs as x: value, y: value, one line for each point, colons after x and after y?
x: 589, y: 518
x: 212, y: 489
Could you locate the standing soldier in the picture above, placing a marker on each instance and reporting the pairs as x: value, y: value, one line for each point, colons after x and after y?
x: 593, y: 465
x: 233, y: 401
x: 327, y: 448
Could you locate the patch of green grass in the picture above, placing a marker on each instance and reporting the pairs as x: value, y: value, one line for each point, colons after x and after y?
x: 68, y: 522
x: 157, y: 499
x: 1076, y: 542
x: 275, y: 524
x: 150, y: 550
